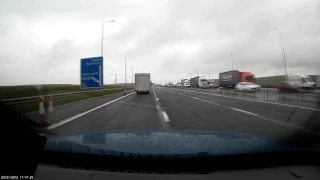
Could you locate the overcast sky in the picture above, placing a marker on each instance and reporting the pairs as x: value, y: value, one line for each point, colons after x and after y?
x: 42, y: 42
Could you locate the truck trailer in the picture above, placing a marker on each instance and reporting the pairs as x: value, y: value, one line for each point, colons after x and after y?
x: 231, y: 78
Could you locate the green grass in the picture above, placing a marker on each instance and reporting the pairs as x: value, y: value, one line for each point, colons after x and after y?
x: 7, y: 92
x: 30, y: 107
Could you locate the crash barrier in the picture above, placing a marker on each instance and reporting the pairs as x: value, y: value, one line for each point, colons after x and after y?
x: 300, y: 96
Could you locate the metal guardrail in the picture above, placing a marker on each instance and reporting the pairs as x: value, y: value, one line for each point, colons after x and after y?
x: 60, y: 95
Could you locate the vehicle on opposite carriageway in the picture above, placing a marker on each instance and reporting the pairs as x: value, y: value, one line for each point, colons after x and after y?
x: 247, y: 86
x: 185, y: 83
x: 288, y: 86
x: 213, y: 83
x: 231, y: 78
x: 303, y: 82
x: 199, y: 82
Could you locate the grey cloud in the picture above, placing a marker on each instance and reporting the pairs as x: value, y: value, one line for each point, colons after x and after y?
x: 60, y: 51
x: 150, y: 27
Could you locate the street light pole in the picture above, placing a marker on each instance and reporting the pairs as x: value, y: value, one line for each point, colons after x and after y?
x: 283, y: 53
x: 125, y: 69
x: 132, y: 74
x: 208, y: 67
x: 231, y: 58
x: 103, y: 35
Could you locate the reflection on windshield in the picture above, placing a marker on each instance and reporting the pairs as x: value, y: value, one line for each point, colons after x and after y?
x: 308, y: 79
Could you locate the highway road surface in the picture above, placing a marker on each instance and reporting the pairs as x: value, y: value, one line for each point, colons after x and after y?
x: 180, y: 109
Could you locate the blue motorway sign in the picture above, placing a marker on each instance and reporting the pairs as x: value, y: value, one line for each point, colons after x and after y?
x: 91, y: 73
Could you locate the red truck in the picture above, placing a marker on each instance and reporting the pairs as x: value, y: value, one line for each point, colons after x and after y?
x: 231, y: 78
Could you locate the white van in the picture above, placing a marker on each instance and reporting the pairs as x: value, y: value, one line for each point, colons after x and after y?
x: 303, y: 82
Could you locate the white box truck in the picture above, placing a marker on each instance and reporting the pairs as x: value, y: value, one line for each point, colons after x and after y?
x: 199, y: 82
x: 142, y: 83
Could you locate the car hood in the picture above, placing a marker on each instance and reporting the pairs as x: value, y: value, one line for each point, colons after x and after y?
x: 163, y: 143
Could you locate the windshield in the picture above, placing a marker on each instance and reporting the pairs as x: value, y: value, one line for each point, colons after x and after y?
x: 307, y: 79
x: 250, y: 78
x: 104, y: 66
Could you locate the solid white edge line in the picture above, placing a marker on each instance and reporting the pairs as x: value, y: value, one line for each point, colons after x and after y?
x: 84, y: 113
x: 220, y: 105
x: 266, y: 102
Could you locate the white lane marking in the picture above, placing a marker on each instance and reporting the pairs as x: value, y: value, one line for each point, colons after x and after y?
x: 262, y: 117
x: 157, y: 99
x: 165, y: 115
x: 245, y: 111
x: 84, y: 113
x: 256, y: 101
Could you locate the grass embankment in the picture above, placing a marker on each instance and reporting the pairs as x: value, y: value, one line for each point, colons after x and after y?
x: 8, y: 92
x: 30, y: 107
